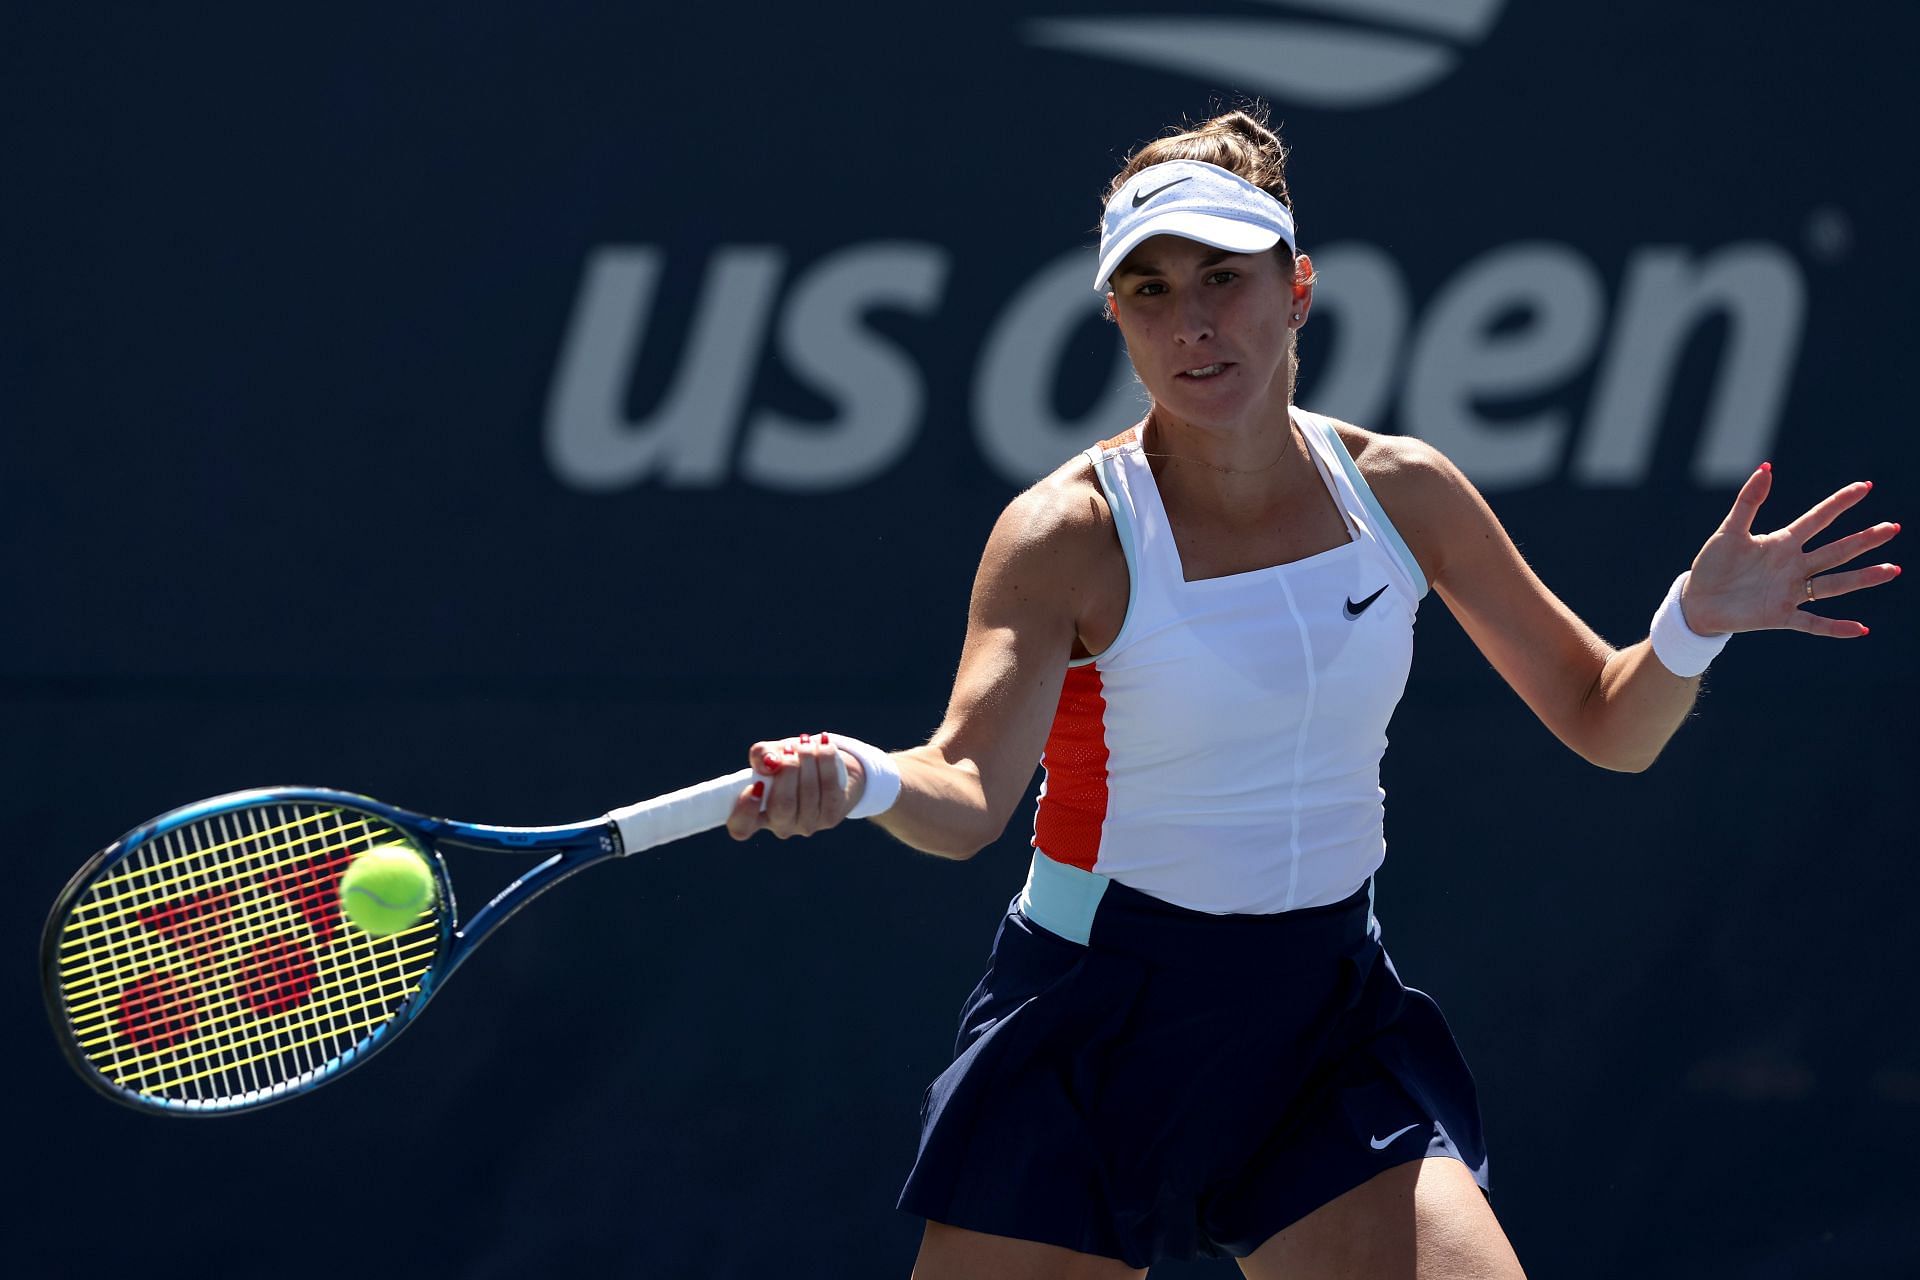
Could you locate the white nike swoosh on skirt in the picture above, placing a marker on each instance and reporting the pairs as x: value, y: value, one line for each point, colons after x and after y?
x: 1380, y: 1144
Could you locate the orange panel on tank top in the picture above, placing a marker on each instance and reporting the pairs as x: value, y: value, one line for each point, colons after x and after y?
x: 1066, y: 827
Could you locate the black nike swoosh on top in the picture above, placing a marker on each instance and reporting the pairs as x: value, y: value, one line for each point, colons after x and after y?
x: 1139, y: 199
x: 1355, y: 610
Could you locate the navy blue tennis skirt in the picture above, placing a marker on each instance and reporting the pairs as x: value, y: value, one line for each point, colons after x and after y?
x: 1185, y: 1085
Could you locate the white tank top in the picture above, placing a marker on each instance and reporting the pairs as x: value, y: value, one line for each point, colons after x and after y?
x: 1223, y: 753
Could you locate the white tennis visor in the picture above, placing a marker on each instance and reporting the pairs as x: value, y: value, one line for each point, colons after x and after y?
x: 1195, y: 201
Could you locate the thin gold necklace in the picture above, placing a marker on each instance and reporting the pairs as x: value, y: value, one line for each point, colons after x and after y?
x: 1285, y: 449
x: 1214, y: 466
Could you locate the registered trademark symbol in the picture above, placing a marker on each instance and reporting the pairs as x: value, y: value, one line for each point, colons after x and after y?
x: 1829, y: 234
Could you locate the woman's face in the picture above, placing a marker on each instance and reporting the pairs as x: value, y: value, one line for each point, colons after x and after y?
x: 1208, y: 330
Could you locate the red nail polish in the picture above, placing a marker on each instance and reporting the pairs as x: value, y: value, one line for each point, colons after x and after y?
x: 759, y: 790
x: 772, y: 763
x: 806, y: 738
x: 1766, y: 466
x: 1864, y: 631
x: 823, y: 739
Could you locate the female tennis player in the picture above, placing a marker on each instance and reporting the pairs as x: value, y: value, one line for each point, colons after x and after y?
x: 1189, y: 1041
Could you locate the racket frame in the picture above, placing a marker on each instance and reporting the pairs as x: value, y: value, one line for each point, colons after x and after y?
x: 570, y: 848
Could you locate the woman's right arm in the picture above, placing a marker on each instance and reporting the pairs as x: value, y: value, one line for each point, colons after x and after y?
x: 960, y: 789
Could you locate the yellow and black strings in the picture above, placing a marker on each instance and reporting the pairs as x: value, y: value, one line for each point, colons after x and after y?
x: 212, y: 963
x: 151, y: 908
x: 222, y: 934
x: 243, y: 1038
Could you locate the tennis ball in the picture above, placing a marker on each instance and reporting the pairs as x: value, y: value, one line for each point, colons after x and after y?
x: 386, y: 889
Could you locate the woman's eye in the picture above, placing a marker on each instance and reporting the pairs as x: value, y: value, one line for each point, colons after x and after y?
x: 1150, y: 288
x: 1221, y: 277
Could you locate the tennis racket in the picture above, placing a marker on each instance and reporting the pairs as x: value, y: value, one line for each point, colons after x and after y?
x: 200, y: 965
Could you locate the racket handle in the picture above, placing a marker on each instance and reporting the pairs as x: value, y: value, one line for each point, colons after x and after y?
x: 691, y: 810
x: 686, y: 812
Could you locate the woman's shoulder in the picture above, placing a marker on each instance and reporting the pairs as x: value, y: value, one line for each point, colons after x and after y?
x: 1065, y: 510
x: 1423, y: 493
x: 1383, y: 458
x: 1055, y: 552
x: 1404, y: 472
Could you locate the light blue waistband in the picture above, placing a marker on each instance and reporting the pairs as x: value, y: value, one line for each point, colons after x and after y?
x: 1062, y: 899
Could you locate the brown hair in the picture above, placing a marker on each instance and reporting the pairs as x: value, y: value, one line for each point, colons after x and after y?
x: 1239, y: 142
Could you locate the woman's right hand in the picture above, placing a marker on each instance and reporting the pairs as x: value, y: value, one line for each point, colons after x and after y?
x: 805, y: 785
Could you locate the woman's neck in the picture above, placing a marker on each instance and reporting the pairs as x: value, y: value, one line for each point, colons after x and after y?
x: 1238, y: 477
x: 1255, y: 451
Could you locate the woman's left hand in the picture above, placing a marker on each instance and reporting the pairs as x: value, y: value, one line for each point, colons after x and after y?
x: 1743, y: 581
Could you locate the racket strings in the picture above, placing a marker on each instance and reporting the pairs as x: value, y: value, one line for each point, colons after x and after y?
x: 201, y: 873
x: 158, y: 1011
x: 212, y: 964
x: 338, y: 1017
x: 209, y: 905
x: 335, y: 968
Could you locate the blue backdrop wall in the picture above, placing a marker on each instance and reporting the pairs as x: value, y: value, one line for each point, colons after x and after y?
x: 512, y: 411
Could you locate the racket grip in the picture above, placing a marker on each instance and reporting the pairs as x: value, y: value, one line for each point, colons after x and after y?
x: 678, y: 814
x: 691, y: 810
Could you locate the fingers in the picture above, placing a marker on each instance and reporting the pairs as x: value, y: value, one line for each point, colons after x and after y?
x: 803, y: 791
x: 1841, y: 550
x: 745, y: 817
x: 1827, y: 511
x: 753, y: 808
x: 1840, y: 584
x: 806, y: 786
x: 821, y: 786
x: 783, y: 787
x: 1836, y: 628
x: 1747, y: 503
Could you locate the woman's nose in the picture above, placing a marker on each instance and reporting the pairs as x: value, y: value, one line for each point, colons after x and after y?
x: 1192, y: 323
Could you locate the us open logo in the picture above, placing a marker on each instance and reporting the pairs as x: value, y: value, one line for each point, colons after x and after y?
x: 1385, y: 51
x: 1449, y: 366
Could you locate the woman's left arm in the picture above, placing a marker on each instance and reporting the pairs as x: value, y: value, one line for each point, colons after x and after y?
x: 1618, y: 707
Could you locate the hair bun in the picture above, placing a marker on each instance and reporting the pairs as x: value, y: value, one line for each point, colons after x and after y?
x: 1253, y: 128
x: 1239, y: 141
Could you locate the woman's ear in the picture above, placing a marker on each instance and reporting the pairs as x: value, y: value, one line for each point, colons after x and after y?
x: 1302, y: 288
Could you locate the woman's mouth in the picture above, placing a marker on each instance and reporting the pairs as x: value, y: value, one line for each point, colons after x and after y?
x: 1205, y: 371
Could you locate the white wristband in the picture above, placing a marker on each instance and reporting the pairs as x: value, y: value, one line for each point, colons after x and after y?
x: 1680, y: 648
x: 883, y: 776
